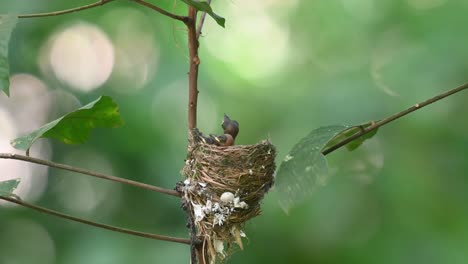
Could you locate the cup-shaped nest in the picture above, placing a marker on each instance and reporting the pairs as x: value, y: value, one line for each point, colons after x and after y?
x: 224, y: 187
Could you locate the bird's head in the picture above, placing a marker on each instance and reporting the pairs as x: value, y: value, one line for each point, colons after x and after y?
x: 230, y: 127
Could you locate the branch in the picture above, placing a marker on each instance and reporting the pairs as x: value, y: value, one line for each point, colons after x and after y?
x: 162, y: 11
x: 196, y: 249
x: 202, y: 20
x: 87, y: 222
x: 395, y: 117
x: 90, y: 173
x: 193, y: 71
x: 67, y: 11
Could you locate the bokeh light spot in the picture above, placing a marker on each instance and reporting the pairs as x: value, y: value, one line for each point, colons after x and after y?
x: 253, y: 44
x: 26, y: 109
x: 81, y: 56
x: 136, y: 51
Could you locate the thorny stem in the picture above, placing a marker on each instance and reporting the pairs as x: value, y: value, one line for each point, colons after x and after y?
x: 202, y: 21
x: 87, y: 222
x: 88, y: 172
x: 395, y: 117
x: 162, y: 11
x: 67, y: 11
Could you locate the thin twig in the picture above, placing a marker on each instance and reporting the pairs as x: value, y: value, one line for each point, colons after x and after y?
x: 202, y: 21
x: 87, y: 222
x: 395, y: 117
x: 88, y: 172
x: 162, y: 11
x: 193, y: 71
x: 67, y: 11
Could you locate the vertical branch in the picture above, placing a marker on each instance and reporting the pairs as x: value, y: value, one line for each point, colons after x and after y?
x: 193, y: 71
x: 196, y: 248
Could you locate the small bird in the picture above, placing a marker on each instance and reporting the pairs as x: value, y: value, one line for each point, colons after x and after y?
x: 231, y: 129
x: 223, y: 140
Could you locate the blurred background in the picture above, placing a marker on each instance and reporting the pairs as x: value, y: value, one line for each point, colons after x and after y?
x: 281, y: 68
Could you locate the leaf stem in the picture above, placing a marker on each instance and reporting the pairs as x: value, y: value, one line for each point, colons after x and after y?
x: 202, y: 21
x: 162, y: 11
x: 395, y: 117
x: 89, y: 173
x: 67, y: 11
x: 87, y: 222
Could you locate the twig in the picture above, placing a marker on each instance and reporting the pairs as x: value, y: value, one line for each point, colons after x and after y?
x: 202, y: 21
x: 90, y: 173
x: 193, y: 71
x: 87, y: 222
x: 162, y: 11
x: 395, y: 117
x: 67, y: 11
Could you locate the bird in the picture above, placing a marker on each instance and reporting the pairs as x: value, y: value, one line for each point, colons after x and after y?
x: 223, y: 140
x: 231, y: 129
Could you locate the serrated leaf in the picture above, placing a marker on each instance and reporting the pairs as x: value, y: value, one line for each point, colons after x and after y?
x: 350, y: 132
x: 8, y: 187
x: 205, y: 7
x: 74, y: 127
x: 305, y: 167
x: 7, y: 23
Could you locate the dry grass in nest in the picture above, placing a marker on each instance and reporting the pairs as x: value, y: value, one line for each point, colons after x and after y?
x: 224, y: 187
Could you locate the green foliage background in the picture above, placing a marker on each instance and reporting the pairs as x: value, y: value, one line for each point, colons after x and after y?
x: 413, y: 209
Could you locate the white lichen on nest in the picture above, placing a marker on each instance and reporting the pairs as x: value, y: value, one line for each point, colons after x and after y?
x: 224, y: 186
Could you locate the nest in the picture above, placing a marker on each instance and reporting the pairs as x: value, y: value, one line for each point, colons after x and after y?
x: 224, y: 187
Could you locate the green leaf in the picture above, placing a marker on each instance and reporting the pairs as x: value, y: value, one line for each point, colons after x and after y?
x: 7, y: 23
x: 305, y: 167
x: 350, y: 132
x: 74, y: 127
x: 205, y: 7
x: 8, y: 187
